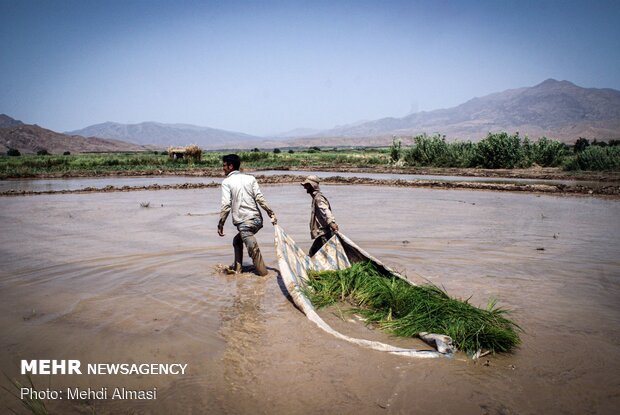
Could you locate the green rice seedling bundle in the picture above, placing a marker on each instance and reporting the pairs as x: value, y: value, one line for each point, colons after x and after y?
x: 405, y: 310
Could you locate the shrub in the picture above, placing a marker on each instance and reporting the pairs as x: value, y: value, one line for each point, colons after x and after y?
x: 435, y: 151
x: 43, y: 152
x: 548, y: 153
x: 315, y: 148
x: 595, y: 158
x: 427, y: 151
x: 395, y: 150
x: 291, y: 151
x: 462, y: 154
x: 68, y: 153
x: 581, y: 144
x: 13, y: 152
x: 276, y: 151
x: 527, y: 150
x: 500, y: 151
x: 253, y: 156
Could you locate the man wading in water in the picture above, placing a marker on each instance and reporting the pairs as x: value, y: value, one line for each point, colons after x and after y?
x: 241, y: 194
x: 322, y: 222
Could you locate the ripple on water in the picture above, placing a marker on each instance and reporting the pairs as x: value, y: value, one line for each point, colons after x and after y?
x: 132, y: 294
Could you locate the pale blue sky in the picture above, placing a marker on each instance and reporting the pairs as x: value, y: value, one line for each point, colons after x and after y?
x: 263, y: 67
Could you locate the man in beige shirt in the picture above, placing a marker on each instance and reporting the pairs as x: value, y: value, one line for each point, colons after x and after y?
x: 242, y: 196
x: 322, y: 221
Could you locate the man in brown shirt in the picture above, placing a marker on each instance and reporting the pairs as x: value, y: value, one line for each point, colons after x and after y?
x: 322, y: 221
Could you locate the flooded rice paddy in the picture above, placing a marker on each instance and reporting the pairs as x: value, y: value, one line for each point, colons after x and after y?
x: 97, y: 277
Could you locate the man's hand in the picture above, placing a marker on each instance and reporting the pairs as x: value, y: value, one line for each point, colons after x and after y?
x: 334, y: 226
x: 220, y: 231
x: 274, y: 220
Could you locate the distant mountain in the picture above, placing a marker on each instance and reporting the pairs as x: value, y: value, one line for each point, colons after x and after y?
x: 297, y: 132
x: 32, y: 138
x: 165, y: 135
x: 556, y: 109
x: 6, y: 121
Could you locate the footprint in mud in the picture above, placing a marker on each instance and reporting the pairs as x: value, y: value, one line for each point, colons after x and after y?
x: 246, y: 270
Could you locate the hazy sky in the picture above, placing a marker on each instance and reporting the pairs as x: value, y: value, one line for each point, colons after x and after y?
x: 263, y: 67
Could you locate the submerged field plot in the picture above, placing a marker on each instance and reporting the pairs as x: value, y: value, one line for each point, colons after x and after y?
x: 100, y: 278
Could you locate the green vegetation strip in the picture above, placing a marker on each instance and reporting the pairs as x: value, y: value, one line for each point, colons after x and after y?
x: 496, y: 151
x: 101, y: 164
x: 505, y: 151
x: 406, y: 310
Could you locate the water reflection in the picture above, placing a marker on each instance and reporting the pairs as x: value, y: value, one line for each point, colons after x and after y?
x: 40, y: 185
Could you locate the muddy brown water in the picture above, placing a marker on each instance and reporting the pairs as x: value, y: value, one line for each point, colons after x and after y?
x: 98, y: 278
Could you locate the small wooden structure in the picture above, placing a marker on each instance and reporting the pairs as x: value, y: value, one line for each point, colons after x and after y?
x: 176, y: 153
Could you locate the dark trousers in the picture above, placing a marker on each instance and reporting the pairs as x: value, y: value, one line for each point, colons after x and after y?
x: 246, y: 237
x: 319, y: 242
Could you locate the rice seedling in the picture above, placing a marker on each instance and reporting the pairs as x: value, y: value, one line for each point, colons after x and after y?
x: 145, y: 204
x: 406, y: 310
x: 34, y: 404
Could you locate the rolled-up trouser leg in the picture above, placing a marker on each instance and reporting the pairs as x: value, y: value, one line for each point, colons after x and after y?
x: 254, y: 252
x: 247, y: 230
x: 238, y: 248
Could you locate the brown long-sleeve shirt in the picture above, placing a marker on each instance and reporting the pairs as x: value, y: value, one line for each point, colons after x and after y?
x: 321, y: 216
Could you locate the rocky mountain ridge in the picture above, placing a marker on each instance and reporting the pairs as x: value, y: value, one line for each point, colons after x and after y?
x: 29, y: 138
x: 556, y: 109
x: 165, y: 135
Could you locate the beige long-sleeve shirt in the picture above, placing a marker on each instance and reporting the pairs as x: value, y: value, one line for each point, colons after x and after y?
x: 242, y: 196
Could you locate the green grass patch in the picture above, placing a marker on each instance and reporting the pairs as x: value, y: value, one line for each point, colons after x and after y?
x: 32, y: 405
x: 406, y: 310
x: 31, y: 165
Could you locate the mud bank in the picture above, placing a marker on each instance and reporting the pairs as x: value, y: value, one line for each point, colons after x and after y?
x: 542, y: 173
x: 575, y: 189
